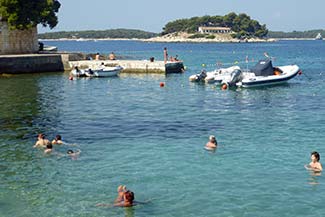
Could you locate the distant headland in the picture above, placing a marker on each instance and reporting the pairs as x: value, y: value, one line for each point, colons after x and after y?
x: 228, y: 28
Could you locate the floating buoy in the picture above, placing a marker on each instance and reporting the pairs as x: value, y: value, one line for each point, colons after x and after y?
x: 162, y: 84
x: 277, y: 72
x: 224, y: 87
x: 300, y: 72
x: 203, y: 65
x: 71, y: 78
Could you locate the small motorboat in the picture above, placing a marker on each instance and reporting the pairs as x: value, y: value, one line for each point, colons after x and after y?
x: 103, y: 72
x: 319, y: 36
x: 99, y: 72
x: 198, y: 77
x: 262, y: 74
x: 215, y: 76
x: 76, y: 72
x: 218, y: 75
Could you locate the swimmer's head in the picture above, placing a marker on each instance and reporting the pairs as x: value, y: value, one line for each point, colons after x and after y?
x: 69, y: 151
x: 41, y: 136
x: 212, y: 138
x: 58, y: 137
x: 121, y: 188
x: 129, y: 196
x: 316, y: 155
x: 49, y: 146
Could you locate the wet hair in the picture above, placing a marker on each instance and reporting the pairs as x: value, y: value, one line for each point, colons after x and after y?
x: 69, y: 151
x: 49, y: 146
x: 58, y: 137
x: 129, y: 196
x: 316, y: 154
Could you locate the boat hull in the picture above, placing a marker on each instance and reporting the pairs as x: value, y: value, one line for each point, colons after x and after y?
x: 289, y: 73
x: 105, y: 72
x: 174, y: 67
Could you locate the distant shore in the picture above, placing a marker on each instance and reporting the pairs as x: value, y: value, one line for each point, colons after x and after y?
x: 183, y: 40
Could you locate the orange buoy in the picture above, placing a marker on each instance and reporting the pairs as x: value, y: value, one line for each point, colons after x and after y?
x: 71, y: 78
x: 162, y: 84
x: 277, y: 72
x: 224, y: 87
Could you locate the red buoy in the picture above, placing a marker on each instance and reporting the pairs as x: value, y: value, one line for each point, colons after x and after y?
x: 224, y: 87
x: 162, y: 84
x: 300, y: 72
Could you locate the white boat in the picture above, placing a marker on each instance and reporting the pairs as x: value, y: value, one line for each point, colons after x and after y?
x: 262, y: 74
x: 104, y: 72
x: 319, y: 37
x: 76, y: 72
x: 99, y: 72
x: 214, y: 76
x: 218, y: 75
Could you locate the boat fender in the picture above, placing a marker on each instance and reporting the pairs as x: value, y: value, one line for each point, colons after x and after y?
x: 224, y: 86
x: 300, y: 72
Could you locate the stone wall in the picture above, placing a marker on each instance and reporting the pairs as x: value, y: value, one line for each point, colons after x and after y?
x: 33, y: 63
x: 17, y: 41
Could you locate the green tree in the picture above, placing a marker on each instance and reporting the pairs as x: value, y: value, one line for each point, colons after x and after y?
x: 24, y: 14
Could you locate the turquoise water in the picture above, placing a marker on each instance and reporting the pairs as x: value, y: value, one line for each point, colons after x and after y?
x: 133, y: 132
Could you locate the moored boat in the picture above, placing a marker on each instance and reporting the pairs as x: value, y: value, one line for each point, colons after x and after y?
x: 319, y: 37
x: 99, y: 72
x: 104, y: 72
x: 262, y: 74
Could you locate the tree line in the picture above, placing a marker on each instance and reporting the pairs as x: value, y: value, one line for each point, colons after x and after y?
x: 112, y: 33
x: 25, y: 14
x: 242, y: 25
x: 296, y: 34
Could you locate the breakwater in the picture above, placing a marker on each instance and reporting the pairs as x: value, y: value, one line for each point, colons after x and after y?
x: 37, y: 63
x: 33, y: 63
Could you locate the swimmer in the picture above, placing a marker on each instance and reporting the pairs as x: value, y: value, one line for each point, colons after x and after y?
x: 42, y: 142
x: 120, y: 193
x: 212, y: 144
x: 314, y: 165
x: 57, y: 140
x: 73, y: 154
x: 49, y: 149
x: 125, y: 198
x: 128, y: 199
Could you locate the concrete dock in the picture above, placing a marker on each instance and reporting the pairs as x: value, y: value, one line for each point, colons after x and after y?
x: 60, y: 62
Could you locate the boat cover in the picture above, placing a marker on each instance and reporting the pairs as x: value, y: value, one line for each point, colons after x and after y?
x: 263, y: 68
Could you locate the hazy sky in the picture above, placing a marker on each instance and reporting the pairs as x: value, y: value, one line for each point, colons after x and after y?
x: 150, y: 15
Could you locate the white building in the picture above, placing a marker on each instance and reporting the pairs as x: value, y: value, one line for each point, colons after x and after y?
x: 214, y: 30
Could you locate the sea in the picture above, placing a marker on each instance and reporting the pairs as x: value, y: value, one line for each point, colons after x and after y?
x: 132, y: 132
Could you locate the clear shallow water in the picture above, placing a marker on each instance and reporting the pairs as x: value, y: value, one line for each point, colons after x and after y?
x: 133, y: 132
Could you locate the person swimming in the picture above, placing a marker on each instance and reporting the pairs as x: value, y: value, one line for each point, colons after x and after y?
x: 120, y: 193
x: 314, y: 165
x: 212, y: 144
x: 57, y: 140
x: 42, y: 142
x: 73, y: 154
x: 125, y: 198
x: 49, y: 149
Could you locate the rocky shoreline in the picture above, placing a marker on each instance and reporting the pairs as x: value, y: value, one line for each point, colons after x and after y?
x: 179, y: 37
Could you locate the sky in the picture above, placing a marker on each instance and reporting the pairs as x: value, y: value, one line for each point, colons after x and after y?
x: 151, y: 15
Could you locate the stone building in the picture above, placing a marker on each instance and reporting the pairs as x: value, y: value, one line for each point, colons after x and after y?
x: 214, y: 30
x: 17, y: 41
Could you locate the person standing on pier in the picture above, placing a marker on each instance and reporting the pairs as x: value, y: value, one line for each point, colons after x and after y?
x: 165, y: 55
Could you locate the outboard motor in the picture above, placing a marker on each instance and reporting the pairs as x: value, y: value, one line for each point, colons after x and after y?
x: 202, y: 75
x: 235, y: 77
